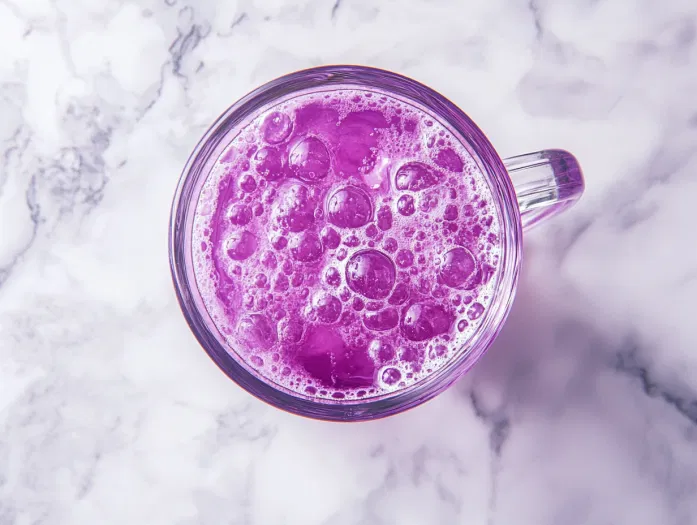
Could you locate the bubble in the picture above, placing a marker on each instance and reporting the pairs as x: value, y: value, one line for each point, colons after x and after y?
x: 281, y: 284
x: 330, y: 237
x: 475, y: 311
x: 390, y: 376
x: 422, y: 321
x: 405, y: 205
x: 462, y: 324
x: 382, y: 320
x: 261, y: 304
x: 256, y: 360
x: 390, y: 245
x: 279, y: 242
x: 415, y: 176
x: 440, y: 350
x: 306, y: 247
x: 276, y: 127
x: 370, y: 273
x: 404, y: 258
x: 240, y: 245
x: 290, y: 330
x: 256, y: 331
x: 269, y: 195
x: 327, y: 306
x: 349, y: 207
x: 248, y: 184
x: 331, y: 362
x: 309, y: 160
x: 297, y: 279
x: 352, y: 241
x: 450, y: 213
x: 428, y: 202
x: 268, y: 162
x: 269, y: 260
x: 410, y: 354
x: 384, y: 218
x: 381, y: 350
x: 295, y: 210
x: 239, y: 214
x: 457, y: 268
x: 332, y: 276
x: 449, y: 160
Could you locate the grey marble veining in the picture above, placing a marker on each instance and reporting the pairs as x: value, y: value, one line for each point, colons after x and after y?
x: 584, y: 411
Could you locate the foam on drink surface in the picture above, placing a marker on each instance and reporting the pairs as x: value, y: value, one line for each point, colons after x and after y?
x: 345, y: 245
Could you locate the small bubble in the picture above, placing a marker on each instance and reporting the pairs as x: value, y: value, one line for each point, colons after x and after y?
x: 256, y: 360
x: 450, y: 213
x: 248, y: 184
x: 475, y: 311
x: 332, y: 276
x: 297, y: 279
x: 276, y: 127
x: 390, y: 376
x: 279, y: 242
x: 352, y: 241
x: 405, y: 205
x: 281, y: 284
x: 384, y: 218
x: 239, y: 214
x: 390, y: 245
x: 405, y: 258
x: 260, y: 280
x: 269, y: 260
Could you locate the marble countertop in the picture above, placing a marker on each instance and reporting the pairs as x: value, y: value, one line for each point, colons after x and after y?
x: 583, y: 413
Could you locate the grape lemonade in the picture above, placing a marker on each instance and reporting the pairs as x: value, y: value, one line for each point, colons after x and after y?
x: 345, y: 245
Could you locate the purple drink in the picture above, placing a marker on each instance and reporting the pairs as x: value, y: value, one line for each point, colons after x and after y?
x: 345, y: 244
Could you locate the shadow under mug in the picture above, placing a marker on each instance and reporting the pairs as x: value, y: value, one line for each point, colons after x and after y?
x: 527, y: 189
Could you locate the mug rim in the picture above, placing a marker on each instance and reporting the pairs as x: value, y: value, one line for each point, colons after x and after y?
x: 207, y: 151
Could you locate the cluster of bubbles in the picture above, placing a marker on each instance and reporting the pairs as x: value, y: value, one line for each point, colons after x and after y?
x: 345, y: 245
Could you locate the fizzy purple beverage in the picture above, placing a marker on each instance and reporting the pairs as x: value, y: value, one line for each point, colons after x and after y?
x: 345, y: 244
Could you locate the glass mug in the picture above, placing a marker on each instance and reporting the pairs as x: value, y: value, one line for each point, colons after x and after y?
x: 368, y: 242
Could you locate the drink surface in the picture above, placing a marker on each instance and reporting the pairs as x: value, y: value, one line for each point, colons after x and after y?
x: 345, y: 245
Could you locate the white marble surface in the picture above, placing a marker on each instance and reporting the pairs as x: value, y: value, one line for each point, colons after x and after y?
x: 583, y: 413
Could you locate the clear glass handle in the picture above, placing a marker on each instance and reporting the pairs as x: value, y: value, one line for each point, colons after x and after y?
x: 546, y: 183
